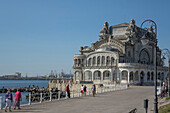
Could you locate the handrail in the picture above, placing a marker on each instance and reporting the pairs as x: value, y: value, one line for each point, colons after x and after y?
x: 40, y: 97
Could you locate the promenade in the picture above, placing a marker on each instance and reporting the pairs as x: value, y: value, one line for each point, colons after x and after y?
x: 121, y: 101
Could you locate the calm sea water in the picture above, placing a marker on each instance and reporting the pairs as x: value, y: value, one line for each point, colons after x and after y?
x: 19, y: 84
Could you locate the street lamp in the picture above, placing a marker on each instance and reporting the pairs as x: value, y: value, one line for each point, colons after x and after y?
x: 144, y: 41
x: 166, y: 52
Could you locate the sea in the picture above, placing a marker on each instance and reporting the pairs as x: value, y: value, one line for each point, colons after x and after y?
x: 19, y: 84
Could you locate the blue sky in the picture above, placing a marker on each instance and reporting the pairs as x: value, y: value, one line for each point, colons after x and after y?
x: 37, y: 36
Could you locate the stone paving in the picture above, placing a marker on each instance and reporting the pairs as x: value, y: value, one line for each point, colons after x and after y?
x: 121, y: 101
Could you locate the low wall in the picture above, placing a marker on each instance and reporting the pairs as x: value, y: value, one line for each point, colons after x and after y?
x: 73, y: 86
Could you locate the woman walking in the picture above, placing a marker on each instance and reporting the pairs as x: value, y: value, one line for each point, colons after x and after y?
x: 8, y: 100
x: 17, y: 99
x: 84, y: 90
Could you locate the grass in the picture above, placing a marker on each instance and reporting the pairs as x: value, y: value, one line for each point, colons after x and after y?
x: 164, y: 109
x: 168, y: 98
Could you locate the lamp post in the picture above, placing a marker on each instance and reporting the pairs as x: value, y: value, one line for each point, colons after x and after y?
x: 145, y: 40
x: 166, y: 52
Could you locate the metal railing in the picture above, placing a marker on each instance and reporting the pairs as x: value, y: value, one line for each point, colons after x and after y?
x: 40, y: 97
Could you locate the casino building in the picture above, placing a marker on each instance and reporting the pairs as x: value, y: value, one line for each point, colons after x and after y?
x: 119, y: 57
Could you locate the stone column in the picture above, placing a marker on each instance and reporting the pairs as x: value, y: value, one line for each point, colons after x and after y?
x: 92, y: 75
x: 120, y: 76
x: 139, y: 75
x: 128, y: 77
x: 74, y: 77
x: 101, y: 75
x: 81, y: 75
x: 111, y: 75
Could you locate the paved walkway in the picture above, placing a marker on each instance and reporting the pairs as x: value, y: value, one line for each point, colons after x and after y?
x: 111, y: 102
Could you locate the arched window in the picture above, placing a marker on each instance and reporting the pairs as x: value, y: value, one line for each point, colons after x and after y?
x: 148, y: 76
x: 112, y: 60
x: 142, y: 76
x: 144, y: 57
x: 136, y: 76
x: 103, y: 60
x: 162, y: 76
x: 88, y: 75
x: 159, y: 76
x: 94, y: 61
x: 152, y: 76
x: 124, y: 75
x: 89, y: 62
x: 106, y: 75
x: 107, y: 60
x: 97, y: 75
x: 131, y: 76
x: 79, y: 62
x: 75, y: 61
x: 98, y: 60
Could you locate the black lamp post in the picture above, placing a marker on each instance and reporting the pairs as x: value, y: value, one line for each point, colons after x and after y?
x: 145, y: 40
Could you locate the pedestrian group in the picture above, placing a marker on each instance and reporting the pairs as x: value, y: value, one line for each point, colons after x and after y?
x: 83, y: 90
x: 9, y: 100
x: 164, y: 88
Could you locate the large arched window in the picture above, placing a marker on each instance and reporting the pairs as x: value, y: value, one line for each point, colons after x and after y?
x: 124, y: 75
x: 98, y: 60
x: 106, y: 75
x: 88, y: 75
x: 103, y: 60
x: 89, y: 62
x: 97, y: 75
x: 144, y: 57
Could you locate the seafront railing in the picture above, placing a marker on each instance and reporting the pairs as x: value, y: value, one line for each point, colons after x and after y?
x: 43, y: 97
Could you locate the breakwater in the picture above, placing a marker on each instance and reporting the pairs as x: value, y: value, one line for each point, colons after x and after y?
x: 23, y: 85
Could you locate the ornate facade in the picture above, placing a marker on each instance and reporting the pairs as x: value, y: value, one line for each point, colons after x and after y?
x: 120, y: 56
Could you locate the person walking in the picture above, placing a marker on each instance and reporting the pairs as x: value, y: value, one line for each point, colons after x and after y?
x: 68, y: 91
x: 17, y: 99
x: 84, y: 90
x: 8, y: 100
x: 94, y: 90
